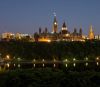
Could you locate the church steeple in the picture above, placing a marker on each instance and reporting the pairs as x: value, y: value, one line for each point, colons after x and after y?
x: 91, y: 33
x: 55, y: 24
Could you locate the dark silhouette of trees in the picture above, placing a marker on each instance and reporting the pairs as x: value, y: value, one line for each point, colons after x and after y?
x: 49, y: 51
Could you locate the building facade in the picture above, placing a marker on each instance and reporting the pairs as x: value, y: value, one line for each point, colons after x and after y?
x: 63, y: 35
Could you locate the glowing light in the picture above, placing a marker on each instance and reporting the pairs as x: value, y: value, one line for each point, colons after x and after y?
x: 43, y: 64
x: 44, y: 40
x: 14, y: 65
x: 74, y: 64
x: 97, y: 58
x: 66, y: 65
x: 74, y: 59
x: 48, y: 40
x: 19, y: 59
x: 43, y: 60
x: 55, y: 23
x: 54, y: 65
x: 34, y: 60
x: 66, y: 60
x: 86, y: 59
x: 86, y: 64
x: 34, y: 65
x: 67, y: 35
x: 18, y: 65
x: 54, y: 60
x: 8, y: 57
x: 97, y: 63
x: 8, y: 65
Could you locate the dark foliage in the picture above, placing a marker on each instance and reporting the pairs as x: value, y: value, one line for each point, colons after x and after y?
x: 49, y: 78
x: 57, y: 50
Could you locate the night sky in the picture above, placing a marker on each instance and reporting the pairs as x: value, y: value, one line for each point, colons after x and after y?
x: 26, y: 16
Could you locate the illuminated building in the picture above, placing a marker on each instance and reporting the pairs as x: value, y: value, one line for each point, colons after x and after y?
x: 7, y: 36
x: 55, y: 25
x: 91, y: 33
x: 62, y: 35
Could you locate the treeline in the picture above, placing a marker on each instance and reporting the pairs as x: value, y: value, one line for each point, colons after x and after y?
x: 57, y: 50
x: 46, y: 77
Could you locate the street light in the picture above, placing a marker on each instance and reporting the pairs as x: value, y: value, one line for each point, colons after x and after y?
x: 86, y: 58
x: 74, y: 59
x: 19, y: 59
x: 7, y: 57
x: 97, y: 58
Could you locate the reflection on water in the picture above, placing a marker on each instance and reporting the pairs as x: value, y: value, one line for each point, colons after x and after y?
x: 8, y: 65
x: 74, y: 64
x: 66, y: 65
x: 54, y: 65
x: 43, y: 64
x: 18, y: 65
x: 14, y: 65
x: 97, y: 63
x: 34, y: 65
x: 86, y: 64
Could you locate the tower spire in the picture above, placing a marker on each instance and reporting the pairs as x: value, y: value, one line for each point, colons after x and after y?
x: 55, y: 24
x: 91, y: 33
x: 91, y: 30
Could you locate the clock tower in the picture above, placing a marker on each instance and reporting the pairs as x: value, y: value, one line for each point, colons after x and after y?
x: 55, y: 25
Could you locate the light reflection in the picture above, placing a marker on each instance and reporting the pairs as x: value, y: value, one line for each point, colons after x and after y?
x: 34, y: 65
x: 54, y: 65
x: 74, y: 64
x: 43, y: 64
x: 66, y: 60
x: 8, y: 65
x: 86, y: 64
x: 8, y: 57
x: 14, y: 65
x: 97, y: 63
x: 97, y: 58
x: 18, y: 65
x: 34, y: 60
x: 66, y: 65
x: 43, y: 60
x: 86, y: 59
x: 54, y: 60
x: 74, y: 59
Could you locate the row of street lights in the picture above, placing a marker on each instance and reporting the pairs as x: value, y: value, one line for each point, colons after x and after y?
x: 66, y: 61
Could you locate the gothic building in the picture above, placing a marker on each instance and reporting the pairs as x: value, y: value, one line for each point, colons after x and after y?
x: 63, y: 35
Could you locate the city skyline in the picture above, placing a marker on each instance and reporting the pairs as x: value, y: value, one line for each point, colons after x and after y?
x: 26, y: 16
